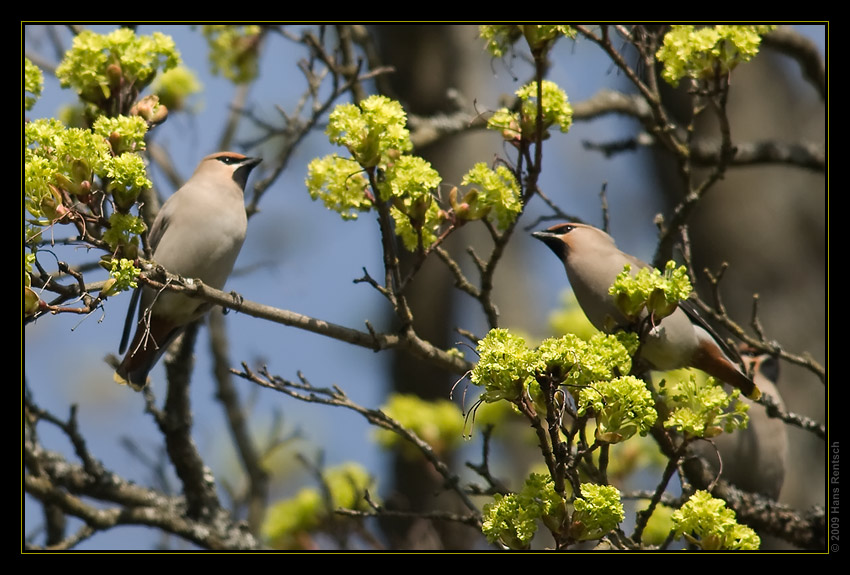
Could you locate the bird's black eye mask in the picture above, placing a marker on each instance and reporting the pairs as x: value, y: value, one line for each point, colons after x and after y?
x: 561, y: 229
x: 551, y: 238
x: 240, y: 174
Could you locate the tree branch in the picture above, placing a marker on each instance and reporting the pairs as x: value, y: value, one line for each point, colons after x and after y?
x: 372, y: 340
x: 804, y: 51
x: 257, y: 476
x: 304, y: 391
x: 53, y: 480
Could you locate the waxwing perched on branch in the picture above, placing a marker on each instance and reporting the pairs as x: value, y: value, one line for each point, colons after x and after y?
x: 197, y: 233
x: 682, y: 339
x: 754, y: 459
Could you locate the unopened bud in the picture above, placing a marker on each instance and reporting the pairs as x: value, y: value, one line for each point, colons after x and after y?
x: 31, y: 302
x: 659, y: 306
x: 149, y: 109
x: 114, y: 73
x: 108, y: 288
x: 80, y: 171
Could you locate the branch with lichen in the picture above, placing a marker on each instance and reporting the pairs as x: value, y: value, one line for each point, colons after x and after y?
x: 717, y: 312
x: 68, y: 486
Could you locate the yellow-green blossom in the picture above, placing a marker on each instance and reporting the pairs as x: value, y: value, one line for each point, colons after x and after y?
x: 660, y: 523
x: 234, y: 50
x: 341, y: 185
x: 347, y: 484
x: 98, y: 65
x: 512, y: 519
x: 31, y: 300
x: 33, y: 83
x: 58, y: 158
x: 707, y: 522
x: 373, y: 132
x: 176, y: 86
x: 556, y: 111
x: 124, y: 133
x: 494, y: 193
x: 41, y: 199
x: 501, y: 37
x: 580, y: 363
x: 650, y: 289
x: 123, y: 233
x: 439, y: 423
x: 123, y: 276
x: 40, y: 136
x: 505, y: 363
x: 702, y: 52
x: 409, y: 230
x: 288, y: 520
x: 622, y: 407
x: 701, y: 408
x: 127, y: 178
x: 410, y: 178
x: 81, y: 155
x: 124, y: 230
x: 597, y: 512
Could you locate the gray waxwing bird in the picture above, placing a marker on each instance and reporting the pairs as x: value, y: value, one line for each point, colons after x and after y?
x: 682, y: 339
x: 197, y: 233
x: 754, y: 459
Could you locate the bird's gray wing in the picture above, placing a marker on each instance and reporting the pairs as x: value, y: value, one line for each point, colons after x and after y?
x: 130, y: 319
x: 691, y: 309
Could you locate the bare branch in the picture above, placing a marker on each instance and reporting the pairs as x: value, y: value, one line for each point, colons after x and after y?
x: 176, y: 425
x: 377, y: 341
x: 237, y: 418
x: 68, y: 486
x: 306, y: 392
x: 804, y: 51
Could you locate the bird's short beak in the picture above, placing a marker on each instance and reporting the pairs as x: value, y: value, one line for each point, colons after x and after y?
x: 553, y: 241
x: 543, y: 235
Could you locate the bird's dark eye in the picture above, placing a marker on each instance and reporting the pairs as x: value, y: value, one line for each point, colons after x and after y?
x: 561, y: 229
x: 229, y: 160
